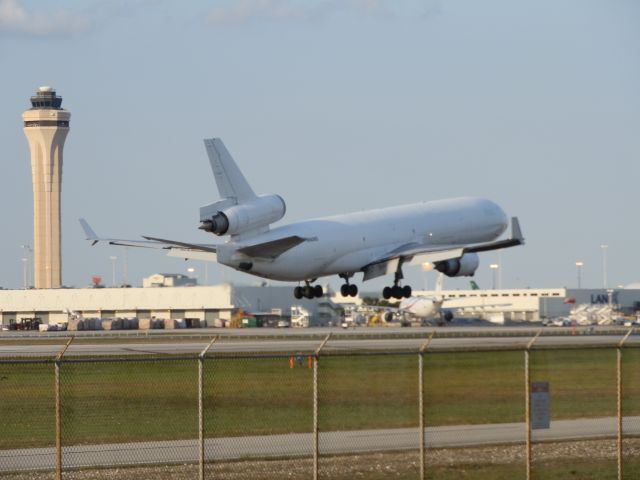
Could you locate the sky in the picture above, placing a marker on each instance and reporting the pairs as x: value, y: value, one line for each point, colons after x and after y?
x: 337, y: 106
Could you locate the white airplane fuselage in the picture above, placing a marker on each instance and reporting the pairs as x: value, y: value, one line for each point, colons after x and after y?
x: 346, y: 243
x: 424, y: 308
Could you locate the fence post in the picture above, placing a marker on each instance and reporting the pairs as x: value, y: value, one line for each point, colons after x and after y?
x: 423, y: 446
x: 527, y: 383
x: 201, y: 408
x: 316, y: 446
x: 619, y: 370
x: 57, y: 362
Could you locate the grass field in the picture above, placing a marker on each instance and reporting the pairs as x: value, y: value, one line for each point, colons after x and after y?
x: 157, y: 400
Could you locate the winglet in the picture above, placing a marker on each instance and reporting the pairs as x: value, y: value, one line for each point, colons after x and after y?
x: 516, y: 232
x: 88, y: 231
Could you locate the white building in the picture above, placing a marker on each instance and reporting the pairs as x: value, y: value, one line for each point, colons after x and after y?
x: 168, y: 280
x: 207, y: 303
x: 532, y: 304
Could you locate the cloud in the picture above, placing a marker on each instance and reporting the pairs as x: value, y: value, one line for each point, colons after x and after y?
x: 16, y: 19
x: 244, y: 11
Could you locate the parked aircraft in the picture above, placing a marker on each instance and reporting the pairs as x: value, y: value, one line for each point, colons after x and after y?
x: 448, y: 233
x: 437, y: 306
x: 427, y: 307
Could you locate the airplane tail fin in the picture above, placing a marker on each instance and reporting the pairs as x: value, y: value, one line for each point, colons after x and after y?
x: 230, y: 181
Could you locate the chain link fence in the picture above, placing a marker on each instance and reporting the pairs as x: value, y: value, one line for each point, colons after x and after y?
x: 530, y: 412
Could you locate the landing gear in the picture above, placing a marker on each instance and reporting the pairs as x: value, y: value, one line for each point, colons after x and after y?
x: 397, y: 291
x: 308, y: 291
x: 348, y: 290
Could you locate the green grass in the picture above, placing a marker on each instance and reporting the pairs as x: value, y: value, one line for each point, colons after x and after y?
x: 141, y: 401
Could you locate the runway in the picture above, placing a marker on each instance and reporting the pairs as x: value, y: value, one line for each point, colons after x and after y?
x: 190, y: 347
x: 301, y: 444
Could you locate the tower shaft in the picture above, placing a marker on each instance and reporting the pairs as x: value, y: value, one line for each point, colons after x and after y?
x: 46, y: 126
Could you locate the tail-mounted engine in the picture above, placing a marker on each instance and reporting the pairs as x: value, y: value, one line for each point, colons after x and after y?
x: 464, y: 266
x: 226, y: 218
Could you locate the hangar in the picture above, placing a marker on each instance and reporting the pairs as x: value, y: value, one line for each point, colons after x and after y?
x: 206, y: 303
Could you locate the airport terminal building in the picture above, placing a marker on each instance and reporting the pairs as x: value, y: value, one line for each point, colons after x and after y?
x: 535, y: 304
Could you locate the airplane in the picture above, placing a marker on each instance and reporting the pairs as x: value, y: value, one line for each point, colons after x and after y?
x: 429, y: 307
x: 448, y: 233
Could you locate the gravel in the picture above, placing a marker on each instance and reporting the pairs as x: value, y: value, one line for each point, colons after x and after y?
x: 387, y: 464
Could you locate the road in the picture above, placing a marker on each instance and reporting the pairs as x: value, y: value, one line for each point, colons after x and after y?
x: 301, y: 444
x: 297, y: 344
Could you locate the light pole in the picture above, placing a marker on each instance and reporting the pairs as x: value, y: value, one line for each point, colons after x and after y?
x: 113, y: 270
x: 191, y: 271
x: 494, y: 267
x: 604, y: 265
x: 24, y: 272
x: 28, y: 253
x: 579, y: 266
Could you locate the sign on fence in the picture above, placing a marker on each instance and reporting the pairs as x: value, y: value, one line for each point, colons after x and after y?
x: 540, y: 405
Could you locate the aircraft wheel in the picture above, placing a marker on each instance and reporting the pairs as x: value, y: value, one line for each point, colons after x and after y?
x: 386, y: 293
x: 317, y: 291
x: 297, y: 292
x: 396, y: 292
x: 406, y: 291
x: 344, y: 290
x: 353, y: 290
x: 309, y: 292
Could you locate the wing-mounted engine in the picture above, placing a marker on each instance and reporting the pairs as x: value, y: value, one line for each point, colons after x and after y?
x: 225, y: 217
x: 464, y: 266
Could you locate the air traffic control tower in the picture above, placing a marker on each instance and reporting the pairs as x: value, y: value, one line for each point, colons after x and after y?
x: 46, y: 126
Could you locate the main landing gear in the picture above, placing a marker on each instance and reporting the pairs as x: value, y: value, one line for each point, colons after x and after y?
x: 308, y: 291
x: 397, y: 291
x: 348, y: 290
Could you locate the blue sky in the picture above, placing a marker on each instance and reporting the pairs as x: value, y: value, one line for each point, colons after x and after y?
x: 337, y: 106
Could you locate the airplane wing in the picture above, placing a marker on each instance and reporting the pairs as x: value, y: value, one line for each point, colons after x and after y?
x: 416, y: 253
x: 176, y: 248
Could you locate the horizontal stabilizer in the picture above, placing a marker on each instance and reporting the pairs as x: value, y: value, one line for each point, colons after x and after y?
x: 272, y: 249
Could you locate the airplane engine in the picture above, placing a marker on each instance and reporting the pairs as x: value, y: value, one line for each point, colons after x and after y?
x: 235, y: 219
x: 464, y: 266
x: 387, y: 316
